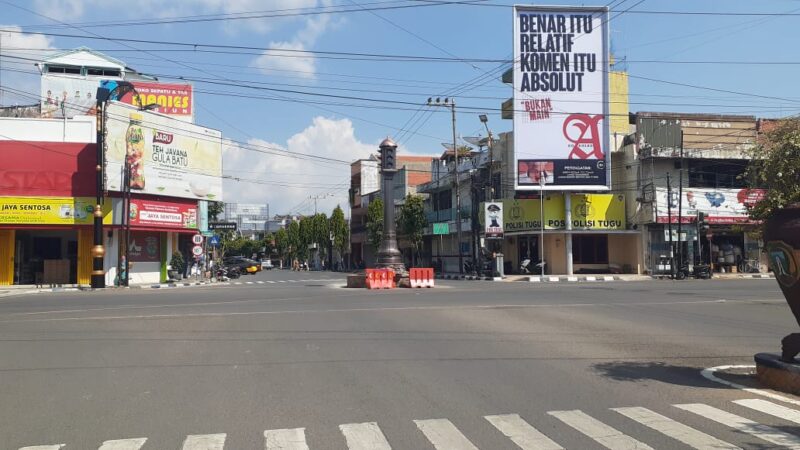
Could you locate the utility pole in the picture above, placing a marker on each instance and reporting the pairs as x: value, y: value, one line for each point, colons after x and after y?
x: 542, y: 179
x: 669, y: 227
x: 680, y: 208
x: 451, y: 103
x: 315, y: 198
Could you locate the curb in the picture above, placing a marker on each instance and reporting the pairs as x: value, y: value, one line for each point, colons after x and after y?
x: 574, y: 279
x: 178, y: 285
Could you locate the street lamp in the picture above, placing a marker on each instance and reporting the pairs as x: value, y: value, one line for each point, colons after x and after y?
x: 451, y: 103
x: 104, y: 93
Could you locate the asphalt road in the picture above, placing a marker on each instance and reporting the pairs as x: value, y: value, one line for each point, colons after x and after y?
x: 465, y: 365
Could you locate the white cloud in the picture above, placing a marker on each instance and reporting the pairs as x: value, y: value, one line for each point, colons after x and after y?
x: 291, y: 180
x: 63, y: 10
x: 304, y: 64
x: 19, y: 53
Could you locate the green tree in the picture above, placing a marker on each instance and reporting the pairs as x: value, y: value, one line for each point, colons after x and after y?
x: 375, y: 223
x: 215, y: 209
x: 295, y: 240
x: 411, y: 223
x: 775, y: 166
x: 282, y: 244
x: 319, y: 233
x: 338, y: 225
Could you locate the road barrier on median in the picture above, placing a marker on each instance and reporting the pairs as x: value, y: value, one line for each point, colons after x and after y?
x: 380, y: 279
x: 421, y: 277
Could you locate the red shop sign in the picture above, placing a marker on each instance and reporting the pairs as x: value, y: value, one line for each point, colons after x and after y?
x: 163, y: 214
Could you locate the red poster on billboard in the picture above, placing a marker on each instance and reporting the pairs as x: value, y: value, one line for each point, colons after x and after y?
x: 153, y: 213
x: 172, y: 99
x: 145, y: 246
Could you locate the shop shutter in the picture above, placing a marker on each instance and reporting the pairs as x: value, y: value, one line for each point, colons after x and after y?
x: 85, y: 243
x: 6, y: 257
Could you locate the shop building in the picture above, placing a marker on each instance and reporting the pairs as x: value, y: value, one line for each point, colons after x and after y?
x: 687, y: 164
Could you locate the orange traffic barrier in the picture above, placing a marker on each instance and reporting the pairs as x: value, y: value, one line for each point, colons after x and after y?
x: 421, y: 277
x: 380, y: 279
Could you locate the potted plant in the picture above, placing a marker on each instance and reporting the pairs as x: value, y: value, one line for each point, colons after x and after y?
x: 178, y: 265
x: 775, y: 167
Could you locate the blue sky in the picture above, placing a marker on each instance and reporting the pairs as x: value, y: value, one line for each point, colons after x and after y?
x: 336, y: 128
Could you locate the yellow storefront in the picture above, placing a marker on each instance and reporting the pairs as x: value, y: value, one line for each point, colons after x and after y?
x: 46, y: 240
x: 601, y: 242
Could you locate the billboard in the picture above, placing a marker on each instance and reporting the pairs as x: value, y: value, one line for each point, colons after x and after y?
x: 74, y: 96
x: 493, y: 220
x: 167, y: 157
x: 47, y: 169
x: 561, y: 108
x: 720, y: 206
x: 179, y: 215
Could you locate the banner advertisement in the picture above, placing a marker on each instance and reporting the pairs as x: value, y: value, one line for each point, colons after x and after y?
x: 561, y: 136
x: 68, y: 96
x: 493, y: 220
x: 167, y: 157
x: 74, y: 96
x: 720, y: 206
x: 50, y: 211
x: 162, y: 214
x: 589, y: 212
x: 173, y: 100
x: 145, y: 246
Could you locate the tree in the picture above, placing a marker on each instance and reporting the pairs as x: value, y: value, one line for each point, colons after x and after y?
x: 775, y: 166
x: 282, y: 244
x: 375, y: 223
x: 411, y: 223
x: 338, y: 225
x: 269, y: 244
x: 215, y: 209
x: 295, y: 241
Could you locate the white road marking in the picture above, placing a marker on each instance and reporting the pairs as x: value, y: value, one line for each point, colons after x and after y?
x: 281, y: 281
x: 44, y: 447
x: 444, y: 435
x: 204, y: 442
x: 782, y: 412
x: 743, y: 425
x: 607, y: 436
x: 260, y: 282
x: 248, y: 282
x: 271, y: 282
x: 591, y: 278
x: 522, y: 433
x: 286, y: 439
x: 364, y: 436
x: 676, y: 430
x: 372, y: 309
x: 123, y: 444
x: 709, y: 374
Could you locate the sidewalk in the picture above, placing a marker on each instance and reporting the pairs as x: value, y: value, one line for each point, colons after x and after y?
x: 591, y: 278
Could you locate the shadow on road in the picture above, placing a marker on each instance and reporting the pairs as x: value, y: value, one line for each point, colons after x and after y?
x: 643, y: 371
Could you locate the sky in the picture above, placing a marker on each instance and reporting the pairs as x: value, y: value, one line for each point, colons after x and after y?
x: 297, y: 110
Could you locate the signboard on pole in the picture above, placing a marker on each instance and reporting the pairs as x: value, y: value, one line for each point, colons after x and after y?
x: 493, y: 220
x: 223, y: 226
x: 561, y: 109
x: 197, y: 251
x: 441, y: 228
x: 197, y: 239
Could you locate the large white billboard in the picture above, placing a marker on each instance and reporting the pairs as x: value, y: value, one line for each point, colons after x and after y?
x: 167, y: 156
x: 561, y: 114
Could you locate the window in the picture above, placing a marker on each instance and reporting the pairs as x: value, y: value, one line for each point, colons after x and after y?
x: 103, y: 72
x: 590, y: 249
x: 64, y: 69
x: 443, y: 200
x: 718, y: 174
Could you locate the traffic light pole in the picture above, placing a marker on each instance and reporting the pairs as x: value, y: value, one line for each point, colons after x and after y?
x: 389, y: 255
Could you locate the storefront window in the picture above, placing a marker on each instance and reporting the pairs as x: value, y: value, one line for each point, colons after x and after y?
x: 590, y: 249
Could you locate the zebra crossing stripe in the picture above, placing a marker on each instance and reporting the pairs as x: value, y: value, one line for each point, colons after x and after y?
x: 607, y: 436
x: 782, y: 412
x: 260, y: 282
x: 676, y: 430
x: 743, y: 425
x: 522, y: 433
x: 123, y: 444
x: 271, y: 282
x: 45, y: 447
x: 204, y: 442
x: 286, y: 439
x: 444, y: 435
x: 364, y: 436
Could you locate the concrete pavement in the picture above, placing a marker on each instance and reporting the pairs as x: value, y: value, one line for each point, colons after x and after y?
x: 467, y: 365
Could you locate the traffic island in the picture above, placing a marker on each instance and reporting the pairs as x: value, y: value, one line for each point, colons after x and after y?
x: 776, y: 374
